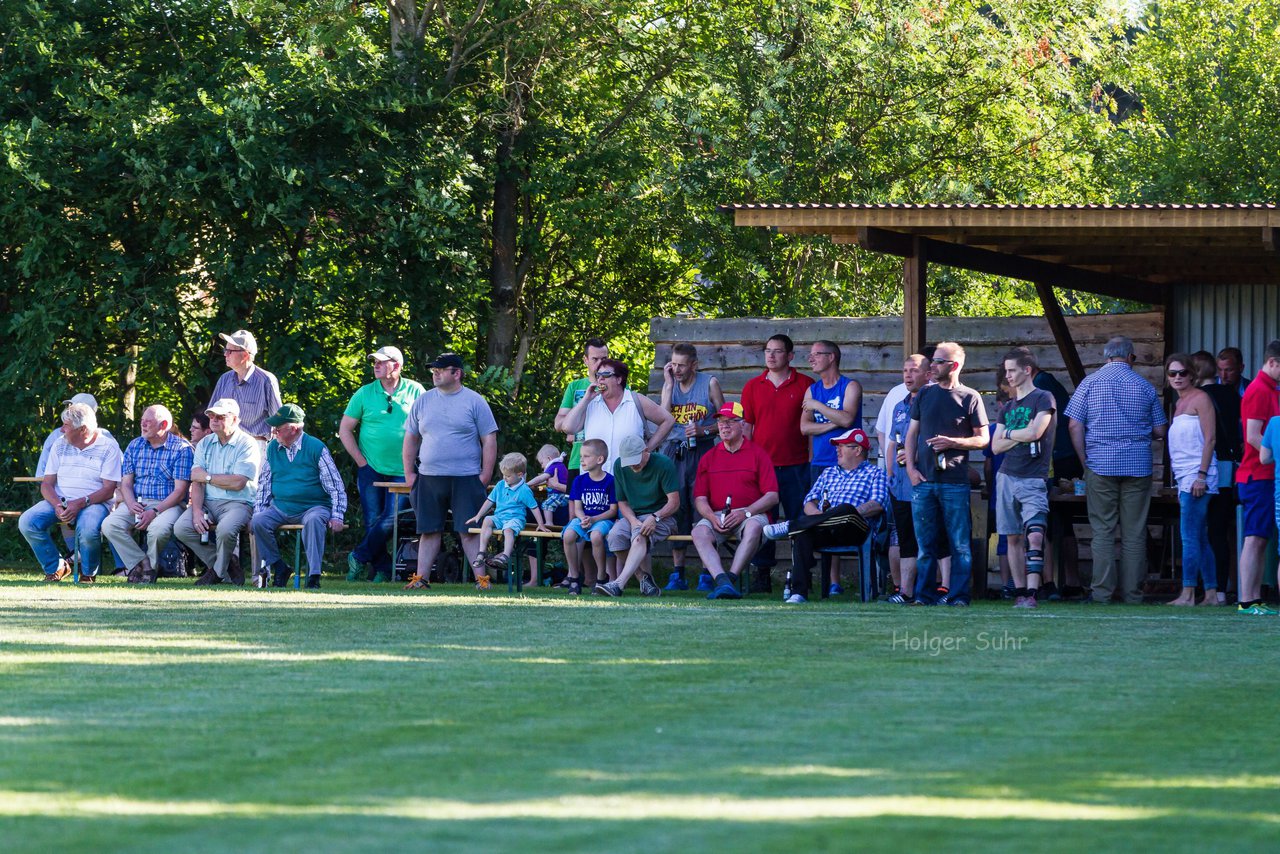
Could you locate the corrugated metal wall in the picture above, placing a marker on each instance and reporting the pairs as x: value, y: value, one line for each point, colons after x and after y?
x: 1211, y: 317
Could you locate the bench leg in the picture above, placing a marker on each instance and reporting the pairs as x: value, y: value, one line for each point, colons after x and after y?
x: 297, y: 560
x: 541, y: 561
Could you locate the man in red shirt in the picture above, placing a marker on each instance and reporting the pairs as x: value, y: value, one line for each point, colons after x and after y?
x: 733, y: 491
x: 1255, y: 482
x: 773, y: 404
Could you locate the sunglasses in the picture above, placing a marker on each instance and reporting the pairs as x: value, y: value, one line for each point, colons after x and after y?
x: 390, y: 406
x: 943, y: 361
x: 233, y: 349
x: 1181, y: 373
x: 604, y: 375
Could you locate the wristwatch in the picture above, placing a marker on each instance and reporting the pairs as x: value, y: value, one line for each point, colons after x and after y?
x: 208, y: 478
x: 748, y: 512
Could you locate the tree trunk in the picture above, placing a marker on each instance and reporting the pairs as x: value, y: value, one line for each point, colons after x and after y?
x: 129, y: 389
x: 503, y: 275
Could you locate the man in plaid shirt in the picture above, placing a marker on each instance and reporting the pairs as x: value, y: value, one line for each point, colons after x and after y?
x: 156, y: 474
x: 1113, y: 415
x: 836, y: 509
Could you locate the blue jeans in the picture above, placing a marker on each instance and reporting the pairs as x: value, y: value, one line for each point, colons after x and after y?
x: 1197, y: 554
x: 946, y: 504
x: 793, y: 486
x: 380, y: 506
x: 36, y: 523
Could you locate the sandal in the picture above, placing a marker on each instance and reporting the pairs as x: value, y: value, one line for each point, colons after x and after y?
x: 418, y: 583
x: 498, y: 561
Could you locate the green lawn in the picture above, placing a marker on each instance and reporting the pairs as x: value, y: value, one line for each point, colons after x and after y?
x: 365, y: 718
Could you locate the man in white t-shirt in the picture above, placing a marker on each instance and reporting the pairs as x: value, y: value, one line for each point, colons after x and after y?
x: 79, y: 480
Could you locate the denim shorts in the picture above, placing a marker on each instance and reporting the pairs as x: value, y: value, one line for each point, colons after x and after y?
x: 604, y: 526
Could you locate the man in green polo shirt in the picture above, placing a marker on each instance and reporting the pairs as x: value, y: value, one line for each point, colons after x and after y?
x: 378, y: 412
x: 299, y: 485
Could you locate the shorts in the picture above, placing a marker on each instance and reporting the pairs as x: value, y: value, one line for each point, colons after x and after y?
x: 1018, y: 501
x: 433, y: 496
x: 736, y: 533
x: 908, y: 547
x: 1258, y: 508
x: 508, y: 524
x: 603, y: 526
x: 620, y: 537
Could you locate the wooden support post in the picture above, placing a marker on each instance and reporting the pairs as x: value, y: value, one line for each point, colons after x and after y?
x: 915, y: 281
x: 1061, y: 334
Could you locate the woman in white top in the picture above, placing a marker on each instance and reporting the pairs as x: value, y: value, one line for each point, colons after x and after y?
x: 609, y: 411
x: 1191, y: 441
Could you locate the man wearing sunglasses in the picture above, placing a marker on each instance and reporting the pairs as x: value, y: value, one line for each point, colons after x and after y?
x: 255, y: 391
x: 1115, y: 412
x: 377, y: 412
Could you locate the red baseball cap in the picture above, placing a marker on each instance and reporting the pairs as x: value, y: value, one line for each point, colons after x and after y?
x: 856, y: 436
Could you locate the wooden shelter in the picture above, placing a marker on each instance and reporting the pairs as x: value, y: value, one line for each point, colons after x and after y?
x: 1136, y: 252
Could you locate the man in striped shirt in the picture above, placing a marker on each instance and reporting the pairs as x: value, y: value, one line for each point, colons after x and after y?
x: 80, y: 479
x: 255, y: 390
x: 299, y: 485
x: 156, y: 474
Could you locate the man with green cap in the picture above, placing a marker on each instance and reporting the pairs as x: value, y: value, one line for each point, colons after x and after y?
x: 299, y: 485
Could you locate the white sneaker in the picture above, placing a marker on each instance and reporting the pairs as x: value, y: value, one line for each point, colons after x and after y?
x: 794, y: 599
x: 777, y: 530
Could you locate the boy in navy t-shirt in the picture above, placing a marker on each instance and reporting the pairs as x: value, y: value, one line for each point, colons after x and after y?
x: 593, y: 507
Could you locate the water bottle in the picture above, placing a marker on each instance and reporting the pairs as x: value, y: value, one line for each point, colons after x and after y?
x: 786, y: 587
x: 692, y: 441
x: 1033, y: 449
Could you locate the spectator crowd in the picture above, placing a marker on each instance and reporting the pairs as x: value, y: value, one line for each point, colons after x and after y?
x: 790, y: 460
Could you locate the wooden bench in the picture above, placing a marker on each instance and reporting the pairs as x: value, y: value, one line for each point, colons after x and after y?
x: 515, y: 577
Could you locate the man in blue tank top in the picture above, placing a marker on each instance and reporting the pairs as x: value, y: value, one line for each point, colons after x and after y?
x: 299, y: 485
x: 693, y: 398
x: 832, y: 405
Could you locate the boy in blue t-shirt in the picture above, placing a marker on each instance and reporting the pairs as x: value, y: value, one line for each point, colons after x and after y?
x: 1270, y: 452
x: 593, y: 507
x: 509, y: 500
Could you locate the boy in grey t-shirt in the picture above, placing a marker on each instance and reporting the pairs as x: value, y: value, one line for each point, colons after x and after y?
x: 1025, y: 436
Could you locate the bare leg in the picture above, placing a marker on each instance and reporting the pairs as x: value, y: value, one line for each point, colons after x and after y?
x: 1249, y: 587
x: 428, y: 550
x: 1017, y: 559
x: 908, y: 583
x: 508, y: 542
x: 752, y: 534
x: 895, y: 566
x: 633, y: 559
x: 944, y: 572
x: 572, y: 556
x: 599, y: 555
x: 704, y: 540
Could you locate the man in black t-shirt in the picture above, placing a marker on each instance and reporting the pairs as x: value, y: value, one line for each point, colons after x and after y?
x: 948, y: 421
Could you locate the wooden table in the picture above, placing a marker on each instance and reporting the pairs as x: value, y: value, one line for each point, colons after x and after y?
x: 1164, y: 511
x: 395, y: 487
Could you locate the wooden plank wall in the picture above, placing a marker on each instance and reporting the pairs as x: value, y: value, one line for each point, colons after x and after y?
x: 871, y: 347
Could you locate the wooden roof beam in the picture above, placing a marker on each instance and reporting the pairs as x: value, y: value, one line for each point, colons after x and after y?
x: 1011, y: 266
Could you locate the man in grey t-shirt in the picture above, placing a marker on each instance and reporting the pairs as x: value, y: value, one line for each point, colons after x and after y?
x: 1024, y: 434
x: 450, y: 446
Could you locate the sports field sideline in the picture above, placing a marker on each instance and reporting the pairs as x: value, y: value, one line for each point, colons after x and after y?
x: 175, y: 718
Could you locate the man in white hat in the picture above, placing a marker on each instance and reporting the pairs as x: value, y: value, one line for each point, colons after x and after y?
x: 377, y: 412
x: 224, y: 484
x: 80, y: 479
x: 255, y: 391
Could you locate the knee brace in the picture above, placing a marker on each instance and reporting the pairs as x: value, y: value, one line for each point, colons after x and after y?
x: 1038, y: 524
x: 1035, y: 557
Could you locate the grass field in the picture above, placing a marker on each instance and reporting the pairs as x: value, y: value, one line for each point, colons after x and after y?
x: 362, y: 718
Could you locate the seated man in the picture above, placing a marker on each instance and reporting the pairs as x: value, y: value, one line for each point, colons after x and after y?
x: 733, y: 492
x: 836, y: 509
x: 157, y: 472
x: 648, y: 492
x: 299, y: 484
x: 224, y: 482
x: 79, y: 480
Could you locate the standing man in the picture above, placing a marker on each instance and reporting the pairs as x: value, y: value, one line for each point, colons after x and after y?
x: 153, y: 489
x: 948, y: 421
x: 1231, y: 369
x: 255, y: 391
x: 450, y: 447
x: 915, y: 374
x: 79, y: 480
x: 299, y: 485
x: 1114, y: 415
x: 832, y: 405
x: 378, y: 411
x: 735, y: 489
x: 773, y: 403
x: 693, y: 399
x: 224, y: 484
x: 648, y: 497
x: 1025, y: 435
x: 1255, y: 483
x: 594, y: 351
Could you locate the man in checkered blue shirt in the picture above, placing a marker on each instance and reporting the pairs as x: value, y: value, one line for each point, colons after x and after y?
x: 1114, y: 415
x: 852, y: 482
